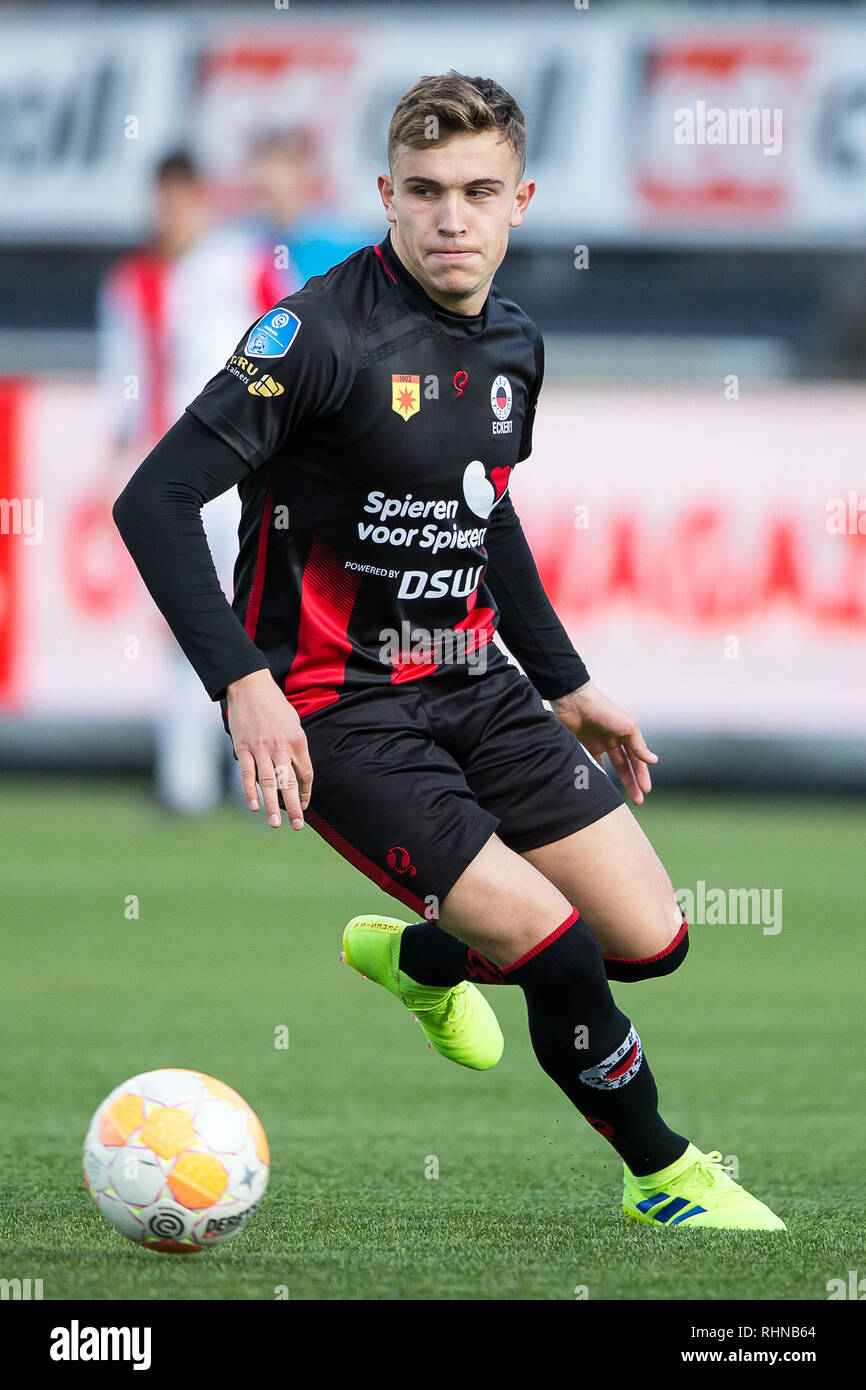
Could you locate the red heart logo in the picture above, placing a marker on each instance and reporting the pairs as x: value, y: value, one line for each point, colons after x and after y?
x: 499, y: 479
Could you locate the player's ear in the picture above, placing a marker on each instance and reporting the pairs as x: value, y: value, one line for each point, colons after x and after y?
x: 522, y: 199
x: 386, y: 193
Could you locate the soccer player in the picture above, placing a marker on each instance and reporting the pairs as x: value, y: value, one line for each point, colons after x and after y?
x: 371, y: 421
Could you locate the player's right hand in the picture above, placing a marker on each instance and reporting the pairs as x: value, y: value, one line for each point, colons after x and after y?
x: 271, y: 747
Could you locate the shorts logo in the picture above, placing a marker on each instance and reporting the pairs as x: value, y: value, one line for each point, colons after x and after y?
x: 618, y: 1068
x: 399, y: 860
x: 274, y: 334
x: 406, y: 395
x: 265, y: 386
x: 483, y: 492
x: 500, y: 397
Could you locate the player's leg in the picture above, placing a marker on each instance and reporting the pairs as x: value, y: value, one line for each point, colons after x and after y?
x: 611, y: 871
x: 504, y: 908
x: 389, y: 779
x: 561, y: 812
x: 626, y: 897
x: 588, y: 1046
x: 398, y: 808
x: 498, y: 906
x: 513, y: 918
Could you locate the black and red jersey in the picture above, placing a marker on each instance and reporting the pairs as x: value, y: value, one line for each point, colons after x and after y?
x: 371, y: 434
x: 380, y: 431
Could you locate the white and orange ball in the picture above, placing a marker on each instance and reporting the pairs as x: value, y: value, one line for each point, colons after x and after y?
x: 176, y: 1160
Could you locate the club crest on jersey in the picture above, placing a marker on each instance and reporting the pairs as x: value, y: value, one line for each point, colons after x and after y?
x: 406, y: 395
x: 483, y: 491
x: 274, y: 334
x: 500, y: 397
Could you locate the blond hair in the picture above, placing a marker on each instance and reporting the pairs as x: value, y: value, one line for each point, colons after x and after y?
x: 448, y: 104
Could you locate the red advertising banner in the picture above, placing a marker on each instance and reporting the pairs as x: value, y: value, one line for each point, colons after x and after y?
x: 707, y: 554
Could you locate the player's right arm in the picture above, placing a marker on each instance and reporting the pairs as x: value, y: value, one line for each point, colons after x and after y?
x: 271, y: 747
x: 225, y: 433
x: 158, y: 515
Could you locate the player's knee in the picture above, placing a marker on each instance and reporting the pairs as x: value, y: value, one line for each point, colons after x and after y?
x: 582, y: 964
x: 663, y: 962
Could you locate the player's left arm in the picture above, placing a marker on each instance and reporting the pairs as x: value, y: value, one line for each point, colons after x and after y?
x: 531, y: 630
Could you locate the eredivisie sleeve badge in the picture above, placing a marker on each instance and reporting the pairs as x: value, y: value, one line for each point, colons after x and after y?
x: 274, y: 334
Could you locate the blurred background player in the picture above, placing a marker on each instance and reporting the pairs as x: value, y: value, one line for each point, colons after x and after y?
x: 167, y: 310
x: 293, y: 212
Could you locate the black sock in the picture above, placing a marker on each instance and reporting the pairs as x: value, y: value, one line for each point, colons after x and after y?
x: 589, y: 1047
x: 432, y: 957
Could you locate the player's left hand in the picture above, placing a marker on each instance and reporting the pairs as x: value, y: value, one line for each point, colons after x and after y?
x: 603, y: 727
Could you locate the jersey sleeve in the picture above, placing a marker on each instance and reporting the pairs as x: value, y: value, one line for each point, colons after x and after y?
x: 294, y: 365
x: 158, y: 514
x: 528, y: 623
x: 532, y: 403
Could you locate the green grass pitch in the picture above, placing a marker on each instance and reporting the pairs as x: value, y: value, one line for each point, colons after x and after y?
x: 757, y: 1046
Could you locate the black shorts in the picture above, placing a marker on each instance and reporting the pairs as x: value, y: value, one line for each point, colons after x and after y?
x: 411, y: 780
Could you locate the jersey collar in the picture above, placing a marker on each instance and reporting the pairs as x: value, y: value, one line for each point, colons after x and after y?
x: 455, y: 324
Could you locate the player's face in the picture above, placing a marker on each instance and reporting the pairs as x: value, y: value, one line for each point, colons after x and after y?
x: 450, y: 207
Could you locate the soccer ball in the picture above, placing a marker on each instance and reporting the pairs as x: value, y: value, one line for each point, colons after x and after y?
x: 176, y: 1160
